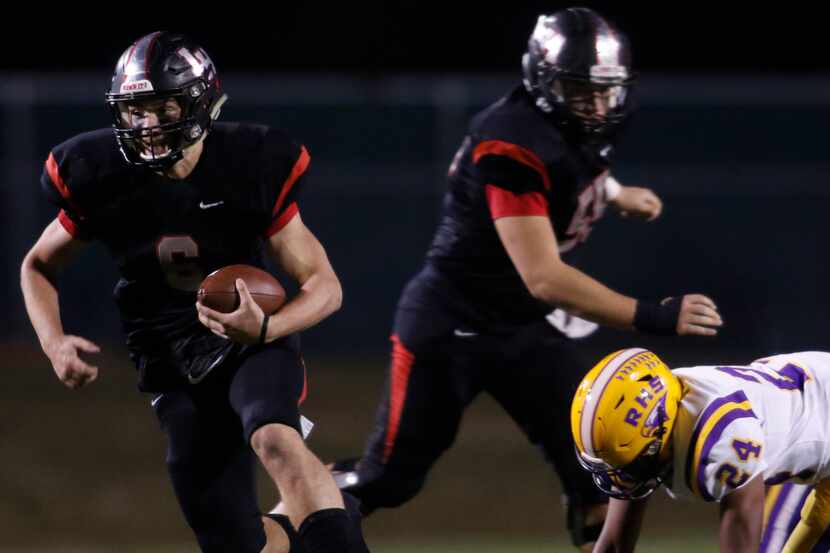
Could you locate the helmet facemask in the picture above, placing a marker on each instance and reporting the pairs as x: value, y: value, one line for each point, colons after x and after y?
x: 636, y: 480
x: 593, y: 108
x: 176, y: 134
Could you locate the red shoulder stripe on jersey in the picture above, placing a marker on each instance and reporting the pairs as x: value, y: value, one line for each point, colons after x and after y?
x: 522, y: 155
x: 278, y: 223
x: 54, y: 174
x: 299, y: 168
x: 57, y: 182
x: 68, y: 224
x: 504, y: 203
x: 402, y: 361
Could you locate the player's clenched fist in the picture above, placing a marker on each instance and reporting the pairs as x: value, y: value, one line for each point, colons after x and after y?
x: 73, y: 371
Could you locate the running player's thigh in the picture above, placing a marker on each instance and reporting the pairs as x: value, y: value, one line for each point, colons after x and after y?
x: 268, y: 387
x: 420, y: 407
x: 211, y: 469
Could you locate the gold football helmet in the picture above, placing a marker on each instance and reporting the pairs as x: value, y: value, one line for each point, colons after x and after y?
x: 622, y: 417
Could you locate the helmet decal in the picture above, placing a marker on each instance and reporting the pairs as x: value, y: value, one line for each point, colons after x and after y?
x: 141, y: 85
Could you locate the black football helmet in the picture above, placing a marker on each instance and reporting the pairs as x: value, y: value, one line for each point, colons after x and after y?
x: 578, y: 68
x: 160, y: 66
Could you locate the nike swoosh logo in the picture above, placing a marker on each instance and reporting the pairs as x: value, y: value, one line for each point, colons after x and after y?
x: 156, y: 400
x: 203, y: 205
x: 198, y: 378
x: 464, y: 334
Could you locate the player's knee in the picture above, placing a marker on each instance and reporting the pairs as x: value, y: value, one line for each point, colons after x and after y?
x: 277, y: 444
x: 585, y: 522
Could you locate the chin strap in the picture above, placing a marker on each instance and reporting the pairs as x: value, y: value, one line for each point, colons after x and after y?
x: 217, y: 107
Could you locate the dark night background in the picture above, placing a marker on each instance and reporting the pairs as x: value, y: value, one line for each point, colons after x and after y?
x: 373, y: 38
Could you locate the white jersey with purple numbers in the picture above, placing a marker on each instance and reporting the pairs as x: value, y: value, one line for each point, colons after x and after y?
x: 767, y: 419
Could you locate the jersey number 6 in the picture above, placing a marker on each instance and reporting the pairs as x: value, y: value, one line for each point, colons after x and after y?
x: 178, y: 256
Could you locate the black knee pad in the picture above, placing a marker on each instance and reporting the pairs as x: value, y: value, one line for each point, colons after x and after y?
x: 294, y: 543
x: 580, y: 532
x: 352, y: 505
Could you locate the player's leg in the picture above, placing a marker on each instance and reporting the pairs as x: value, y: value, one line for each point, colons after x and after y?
x: 536, y: 390
x: 265, y: 392
x: 212, y: 470
x: 417, y: 418
x: 280, y: 535
x: 811, y: 532
x: 782, y: 510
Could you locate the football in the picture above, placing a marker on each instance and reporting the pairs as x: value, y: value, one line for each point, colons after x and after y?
x: 218, y: 290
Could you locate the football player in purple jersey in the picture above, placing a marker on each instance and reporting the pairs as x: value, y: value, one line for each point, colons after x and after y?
x: 718, y: 433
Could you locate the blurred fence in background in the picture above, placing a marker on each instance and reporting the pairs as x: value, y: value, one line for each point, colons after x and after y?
x: 740, y: 162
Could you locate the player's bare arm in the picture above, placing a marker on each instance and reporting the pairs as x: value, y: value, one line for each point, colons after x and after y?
x: 622, y: 526
x: 531, y: 244
x: 54, y: 250
x: 741, y: 518
x: 298, y: 252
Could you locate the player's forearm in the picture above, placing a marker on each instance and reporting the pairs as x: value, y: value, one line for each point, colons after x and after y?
x: 564, y: 286
x: 740, y: 529
x: 622, y: 526
x: 40, y: 295
x: 739, y: 538
x: 319, y: 297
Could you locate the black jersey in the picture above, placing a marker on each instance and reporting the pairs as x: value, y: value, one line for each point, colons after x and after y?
x: 514, y: 161
x: 167, y: 234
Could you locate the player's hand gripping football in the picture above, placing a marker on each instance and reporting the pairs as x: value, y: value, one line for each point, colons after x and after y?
x: 242, y: 325
x: 73, y: 371
x: 638, y: 202
x: 698, y: 315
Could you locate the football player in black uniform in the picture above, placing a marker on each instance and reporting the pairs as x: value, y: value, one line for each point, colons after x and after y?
x: 529, y: 179
x: 173, y: 196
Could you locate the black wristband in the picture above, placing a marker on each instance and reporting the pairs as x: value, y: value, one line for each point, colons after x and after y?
x: 264, y: 330
x: 658, y: 318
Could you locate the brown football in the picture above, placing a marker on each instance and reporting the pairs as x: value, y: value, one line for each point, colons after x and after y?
x: 218, y: 290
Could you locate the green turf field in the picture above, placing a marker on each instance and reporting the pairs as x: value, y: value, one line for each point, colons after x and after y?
x: 449, y: 546
x: 84, y: 473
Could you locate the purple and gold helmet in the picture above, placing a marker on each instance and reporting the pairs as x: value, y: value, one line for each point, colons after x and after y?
x: 622, y: 417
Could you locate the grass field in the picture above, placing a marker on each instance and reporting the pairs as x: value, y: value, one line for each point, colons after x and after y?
x: 449, y: 546
x: 84, y: 473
